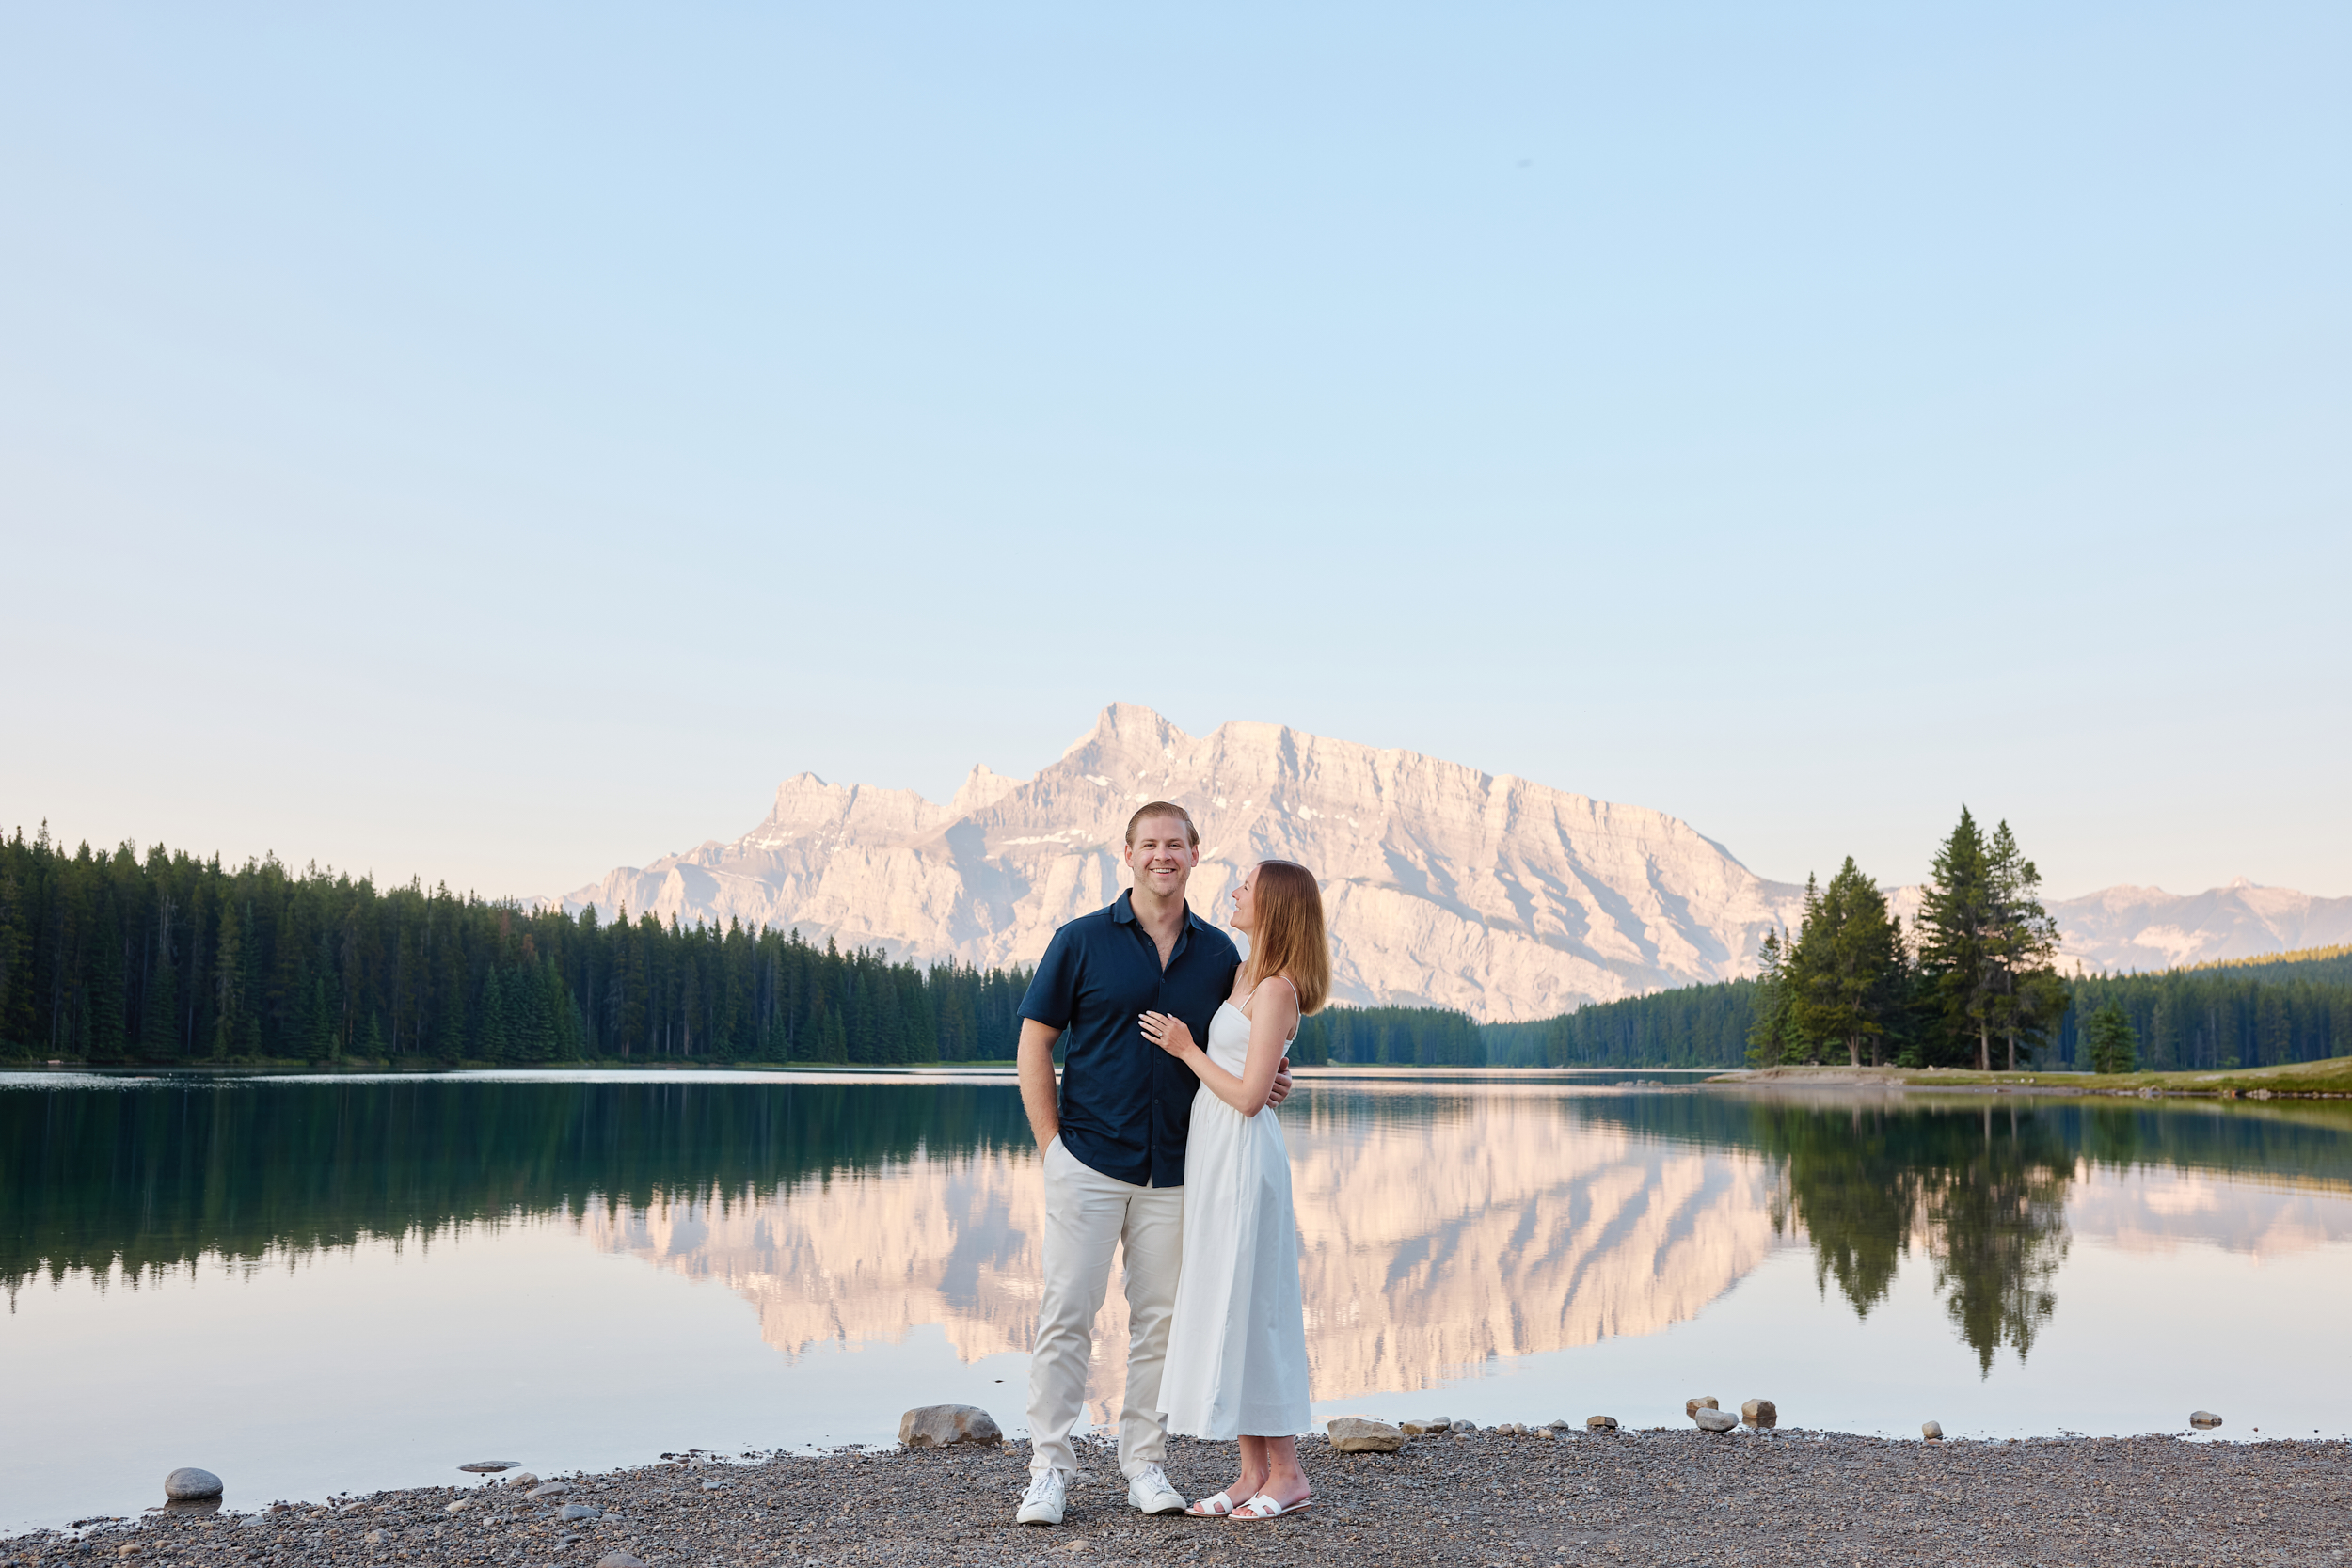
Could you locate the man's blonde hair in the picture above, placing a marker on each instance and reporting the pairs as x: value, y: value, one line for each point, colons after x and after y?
x: 1163, y: 808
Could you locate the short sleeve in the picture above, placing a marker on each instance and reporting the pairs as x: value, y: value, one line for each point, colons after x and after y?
x: 1053, y: 994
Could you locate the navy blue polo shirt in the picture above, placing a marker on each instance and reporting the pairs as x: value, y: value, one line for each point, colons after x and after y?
x: 1126, y: 1105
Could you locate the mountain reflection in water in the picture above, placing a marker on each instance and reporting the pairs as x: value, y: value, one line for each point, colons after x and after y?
x: 1444, y: 1225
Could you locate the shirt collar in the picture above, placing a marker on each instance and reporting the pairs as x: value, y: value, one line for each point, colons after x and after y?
x: 1124, y: 912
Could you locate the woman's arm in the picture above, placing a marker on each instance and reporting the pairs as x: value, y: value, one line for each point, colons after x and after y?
x: 1275, y: 1018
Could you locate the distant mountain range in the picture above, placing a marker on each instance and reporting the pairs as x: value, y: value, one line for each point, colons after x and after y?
x: 1446, y: 886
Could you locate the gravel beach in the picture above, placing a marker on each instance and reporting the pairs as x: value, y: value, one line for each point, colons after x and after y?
x: 1672, y: 1495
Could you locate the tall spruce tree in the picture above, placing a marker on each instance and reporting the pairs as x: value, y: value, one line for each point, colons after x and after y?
x: 2027, y: 999
x: 1847, y: 973
x: 1773, y: 1035
x: 1958, y: 927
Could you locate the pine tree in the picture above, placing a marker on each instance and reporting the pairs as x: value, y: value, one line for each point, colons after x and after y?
x: 1846, y: 974
x: 1959, y: 920
x: 159, y: 1010
x: 1772, y: 1039
x: 2109, y: 1041
x: 2027, y: 999
x: 228, y: 982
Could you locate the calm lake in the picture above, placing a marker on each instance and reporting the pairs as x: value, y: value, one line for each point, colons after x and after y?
x: 314, y: 1285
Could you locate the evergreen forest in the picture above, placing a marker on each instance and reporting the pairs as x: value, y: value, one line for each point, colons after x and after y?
x: 167, y: 958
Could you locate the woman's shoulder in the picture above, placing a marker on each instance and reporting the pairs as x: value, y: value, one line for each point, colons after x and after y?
x: 1281, y: 987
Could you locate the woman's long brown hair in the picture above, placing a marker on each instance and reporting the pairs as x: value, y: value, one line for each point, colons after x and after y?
x: 1289, y: 938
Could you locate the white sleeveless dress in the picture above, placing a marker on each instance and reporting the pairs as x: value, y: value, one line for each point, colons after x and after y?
x: 1237, y: 1350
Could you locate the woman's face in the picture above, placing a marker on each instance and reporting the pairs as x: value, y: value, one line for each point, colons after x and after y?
x: 1244, y: 900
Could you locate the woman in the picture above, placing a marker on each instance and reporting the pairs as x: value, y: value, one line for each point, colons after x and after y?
x: 1237, y: 1350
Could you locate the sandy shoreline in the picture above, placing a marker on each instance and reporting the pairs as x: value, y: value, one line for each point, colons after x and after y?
x: 1669, y: 1496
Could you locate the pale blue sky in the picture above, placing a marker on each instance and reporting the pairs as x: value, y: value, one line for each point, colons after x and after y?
x: 499, y: 442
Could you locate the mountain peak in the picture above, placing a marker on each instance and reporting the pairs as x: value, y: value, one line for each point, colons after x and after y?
x: 1443, y: 885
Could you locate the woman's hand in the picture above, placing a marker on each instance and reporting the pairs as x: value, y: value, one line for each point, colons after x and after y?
x: 1167, y: 1032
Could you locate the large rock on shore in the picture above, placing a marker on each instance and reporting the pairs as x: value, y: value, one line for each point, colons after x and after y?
x: 1692, y: 1407
x: 1761, y: 1414
x: 2203, y: 1420
x: 189, y: 1484
x: 937, y: 1426
x: 1710, y: 1419
x: 1931, y: 1431
x: 1600, y: 1423
x: 1353, y: 1435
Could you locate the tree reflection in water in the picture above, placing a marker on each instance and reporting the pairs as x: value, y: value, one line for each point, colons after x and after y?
x: 1982, y: 1191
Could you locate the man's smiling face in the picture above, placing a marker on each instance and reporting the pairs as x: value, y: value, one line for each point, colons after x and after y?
x: 1162, y: 856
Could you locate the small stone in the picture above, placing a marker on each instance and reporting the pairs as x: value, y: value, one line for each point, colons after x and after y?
x: 1711, y: 1420
x: 1556, y: 1426
x: 620, y: 1559
x: 547, y: 1489
x: 1600, y: 1423
x: 1414, y: 1429
x: 126, y: 1551
x: 188, y: 1483
x: 1931, y: 1431
x: 524, y: 1480
x: 714, y: 1486
x: 1692, y: 1407
x: 1353, y: 1435
x: 935, y: 1426
x: 458, y: 1506
x: 580, y: 1511
x: 1759, y: 1414
x: 2203, y: 1420
x: 1465, y: 1426
x: 490, y: 1466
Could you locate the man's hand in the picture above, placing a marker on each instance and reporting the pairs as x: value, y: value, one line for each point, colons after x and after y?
x: 1282, y: 1089
x: 1035, y: 1055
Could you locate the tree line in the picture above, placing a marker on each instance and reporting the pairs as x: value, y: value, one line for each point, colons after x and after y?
x: 167, y: 958
x: 1401, y: 1036
x: 1978, y: 965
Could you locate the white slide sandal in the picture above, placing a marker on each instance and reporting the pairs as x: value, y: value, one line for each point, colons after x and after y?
x: 1263, y: 1507
x: 1214, y: 1506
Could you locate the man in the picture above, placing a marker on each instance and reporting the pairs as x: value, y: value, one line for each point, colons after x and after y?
x: 1113, y: 1143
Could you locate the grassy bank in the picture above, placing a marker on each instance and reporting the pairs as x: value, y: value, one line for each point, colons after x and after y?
x: 2329, y: 1079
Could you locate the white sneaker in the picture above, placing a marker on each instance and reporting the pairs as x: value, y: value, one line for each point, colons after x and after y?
x: 1041, y: 1504
x: 1148, y: 1490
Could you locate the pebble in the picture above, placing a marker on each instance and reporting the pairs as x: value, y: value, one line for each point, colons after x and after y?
x: 2204, y: 1420
x: 1692, y: 1407
x: 1354, y: 1434
x: 522, y: 1481
x: 188, y: 1483
x: 490, y: 1466
x: 1761, y: 1414
x: 1600, y: 1423
x: 458, y: 1506
x: 937, y: 1426
x: 1711, y: 1420
x: 1931, y: 1431
x: 547, y: 1489
x: 620, y: 1559
x: 580, y: 1511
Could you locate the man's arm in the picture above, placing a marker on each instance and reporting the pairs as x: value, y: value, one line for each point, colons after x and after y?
x: 1035, y: 1058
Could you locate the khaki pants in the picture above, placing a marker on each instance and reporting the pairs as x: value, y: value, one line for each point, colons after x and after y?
x: 1088, y: 1215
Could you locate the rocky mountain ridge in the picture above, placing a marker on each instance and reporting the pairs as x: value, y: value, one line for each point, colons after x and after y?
x: 1446, y: 886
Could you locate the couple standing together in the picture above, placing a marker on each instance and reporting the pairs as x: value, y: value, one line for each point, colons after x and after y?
x: 1169, y: 1149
